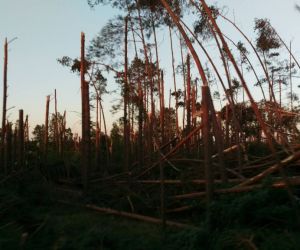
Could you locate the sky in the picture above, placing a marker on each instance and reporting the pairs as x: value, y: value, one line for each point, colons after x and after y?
x: 49, y: 29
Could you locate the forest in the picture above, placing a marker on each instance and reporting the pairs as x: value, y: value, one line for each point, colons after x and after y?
x: 204, y: 153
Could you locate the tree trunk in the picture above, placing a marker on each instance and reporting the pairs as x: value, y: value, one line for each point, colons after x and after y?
x: 126, y: 99
x: 188, y: 97
x: 21, y: 140
x: 97, y: 139
x: 46, y: 134
x: 85, y: 143
x: 206, y: 134
x: 56, y: 133
x: 3, y: 128
x: 184, y: 80
x: 174, y: 81
x: 8, y: 153
x: 162, y: 108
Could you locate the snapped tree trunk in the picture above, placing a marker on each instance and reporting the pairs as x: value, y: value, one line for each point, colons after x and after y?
x: 126, y: 99
x: 3, y: 128
x: 46, y: 134
x: 21, y: 140
x: 85, y: 102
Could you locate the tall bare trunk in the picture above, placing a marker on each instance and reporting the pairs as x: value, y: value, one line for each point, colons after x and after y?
x: 188, y: 98
x: 21, y: 140
x: 97, y: 139
x: 46, y: 134
x: 26, y: 127
x: 106, y: 136
x: 85, y: 147
x: 3, y: 128
x: 162, y: 107
x: 174, y: 81
x: 184, y: 80
x: 291, y: 80
x: 188, y: 101
x: 56, y: 133
x: 126, y: 99
x: 8, y: 148
x: 207, y: 146
x: 63, y: 134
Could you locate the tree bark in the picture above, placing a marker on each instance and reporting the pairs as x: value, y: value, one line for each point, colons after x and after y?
x: 126, y: 99
x: 174, y: 81
x: 85, y: 143
x: 21, y: 140
x: 46, y: 134
x: 3, y: 128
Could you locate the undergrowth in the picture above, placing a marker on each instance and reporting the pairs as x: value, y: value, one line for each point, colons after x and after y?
x: 32, y: 218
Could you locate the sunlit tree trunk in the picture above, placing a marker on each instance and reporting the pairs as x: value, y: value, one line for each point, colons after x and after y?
x: 184, y: 80
x: 174, y: 80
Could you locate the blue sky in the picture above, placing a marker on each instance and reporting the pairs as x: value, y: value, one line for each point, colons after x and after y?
x: 49, y: 29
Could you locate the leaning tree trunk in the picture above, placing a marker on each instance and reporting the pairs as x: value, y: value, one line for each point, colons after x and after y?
x: 260, y: 120
x: 174, y: 81
x: 188, y: 101
x: 184, y: 80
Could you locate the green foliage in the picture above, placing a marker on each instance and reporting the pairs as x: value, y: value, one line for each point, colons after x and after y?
x: 202, y: 27
x: 267, y: 37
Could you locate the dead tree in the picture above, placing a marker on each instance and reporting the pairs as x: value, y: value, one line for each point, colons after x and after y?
x: 188, y: 100
x: 21, y: 140
x: 46, y: 134
x: 85, y: 105
x: 174, y: 81
x: 8, y: 148
x: 56, y: 129
x: 162, y: 107
x: 26, y: 130
x: 3, y: 130
x: 206, y: 133
x: 126, y: 99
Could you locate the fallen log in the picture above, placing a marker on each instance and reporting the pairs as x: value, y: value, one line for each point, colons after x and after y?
x: 270, y: 170
x: 179, y: 209
x: 139, y: 217
x: 227, y: 150
x: 294, y: 181
x: 179, y: 182
x: 180, y: 144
